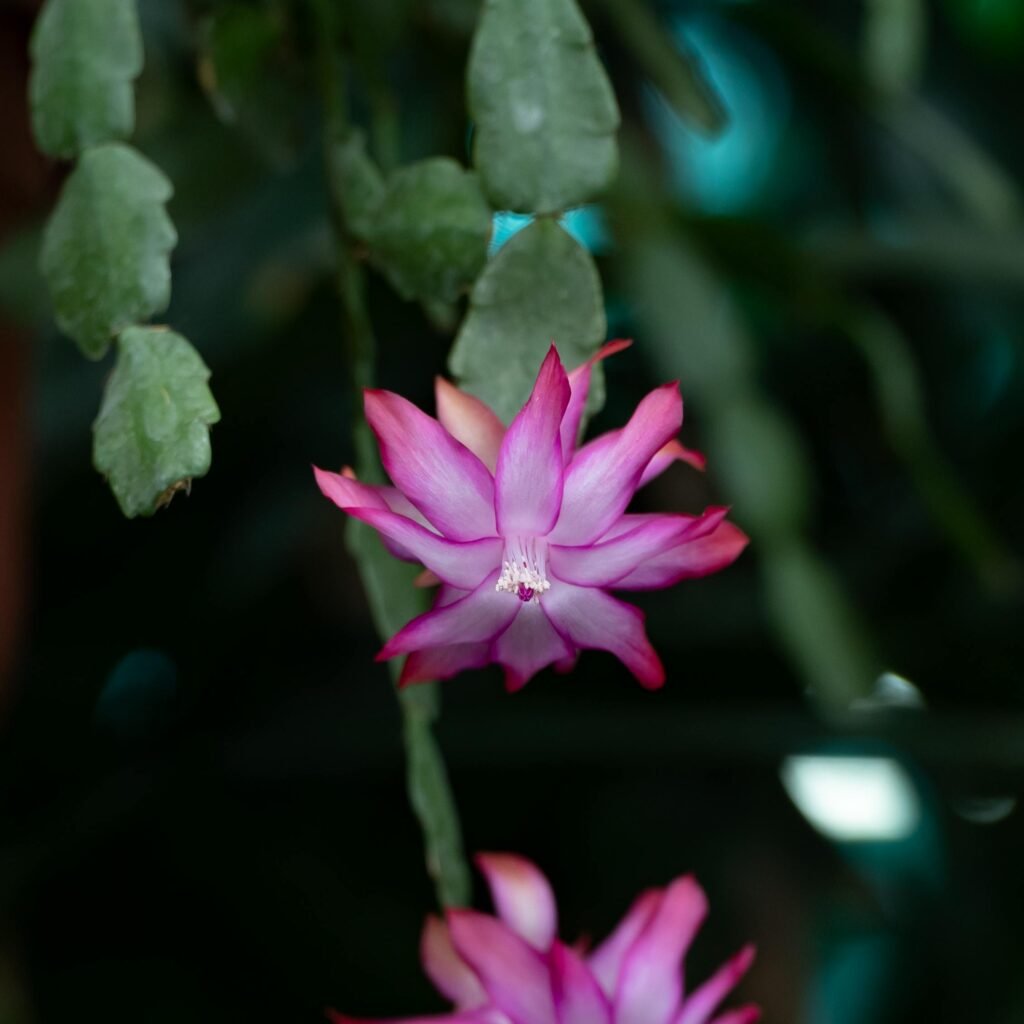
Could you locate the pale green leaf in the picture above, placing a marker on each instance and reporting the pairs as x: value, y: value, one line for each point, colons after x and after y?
x: 431, y: 230
x: 85, y: 55
x: 544, y: 111
x: 152, y: 435
x: 541, y: 288
x: 106, y: 249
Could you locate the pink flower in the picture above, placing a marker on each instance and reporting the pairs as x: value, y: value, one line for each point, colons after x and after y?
x: 512, y: 969
x: 525, y: 531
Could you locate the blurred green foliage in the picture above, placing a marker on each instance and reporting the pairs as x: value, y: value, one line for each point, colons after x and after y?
x: 843, y: 309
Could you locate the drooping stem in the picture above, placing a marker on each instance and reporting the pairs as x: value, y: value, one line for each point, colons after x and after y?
x: 388, y: 584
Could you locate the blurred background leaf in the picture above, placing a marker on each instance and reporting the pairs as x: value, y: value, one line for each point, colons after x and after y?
x: 834, y: 276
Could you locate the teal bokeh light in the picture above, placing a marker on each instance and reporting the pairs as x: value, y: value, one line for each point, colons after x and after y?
x: 733, y: 171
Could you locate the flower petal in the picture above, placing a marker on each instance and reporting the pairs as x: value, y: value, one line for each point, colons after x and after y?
x: 441, y: 477
x: 528, y: 481
x: 450, y: 974
x: 604, y: 475
x: 700, y: 526
x: 578, y: 997
x: 692, y: 558
x: 600, y: 565
x: 699, y: 1006
x: 482, y: 1016
x: 512, y: 972
x: 347, y: 492
x: 443, y: 662
x: 742, y: 1015
x: 480, y: 616
x: 522, y: 897
x: 650, y: 985
x: 674, y: 451
x: 528, y: 645
x: 579, y: 384
x: 592, y: 619
x: 469, y: 421
x: 461, y: 563
x: 606, y: 961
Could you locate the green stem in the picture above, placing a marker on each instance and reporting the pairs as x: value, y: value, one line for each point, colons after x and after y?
x: 387, y: 586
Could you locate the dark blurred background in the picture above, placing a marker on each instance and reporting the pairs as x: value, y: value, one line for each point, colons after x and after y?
x: 201, y: 774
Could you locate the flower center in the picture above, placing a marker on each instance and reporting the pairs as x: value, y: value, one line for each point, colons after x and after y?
x: 522, y: 570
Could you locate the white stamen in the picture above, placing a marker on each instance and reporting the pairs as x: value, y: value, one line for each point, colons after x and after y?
x: 522, y: 571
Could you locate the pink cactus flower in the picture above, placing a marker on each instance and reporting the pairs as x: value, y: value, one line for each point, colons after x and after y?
x: 512, y: 969
x: 526, y: 531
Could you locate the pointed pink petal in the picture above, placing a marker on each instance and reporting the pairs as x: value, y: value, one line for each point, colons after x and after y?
x: 441, y: 477
x: 446, y: 969
x: 578, y: 997
x: 478, y: 617
x: 579, y: 384
x: 565, y: 665
x: 346, y: 492
x: 511, y: 971
x: 528, y: 482
x: 469, y: 421
x: 592, y: 619
x: 700, y: 526
x: 461, y: 563
x: 522, y: 897
x: 669, y: 453
x: 703, y: 1002
x: 606, y: 961
x: 602, y: 478
x: 443, y: 662
x: 692, y: 558
x: 600, y: 565
x: 528, y: 645
x: 742, y: 1015
x: 651, y: 983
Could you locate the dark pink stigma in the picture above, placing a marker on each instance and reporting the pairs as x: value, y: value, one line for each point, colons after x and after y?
x: 524, y: 593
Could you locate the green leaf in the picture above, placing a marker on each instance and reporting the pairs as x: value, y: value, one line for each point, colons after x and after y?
x: 106, y: 247
x: 85, y: 55
x: 152, y: 434
x: 356, y: 182
x: 544, y: 109
x: 431, y: 230
x: 541, y: 288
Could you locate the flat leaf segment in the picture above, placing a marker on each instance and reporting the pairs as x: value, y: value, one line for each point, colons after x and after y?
x: 543, y: 107
x: 152, y: 433
x: 106, y: 250
x: 85, y: 55
x: 541, y: 288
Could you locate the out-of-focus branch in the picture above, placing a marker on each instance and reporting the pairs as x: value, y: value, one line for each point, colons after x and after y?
x: 427, y: 778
